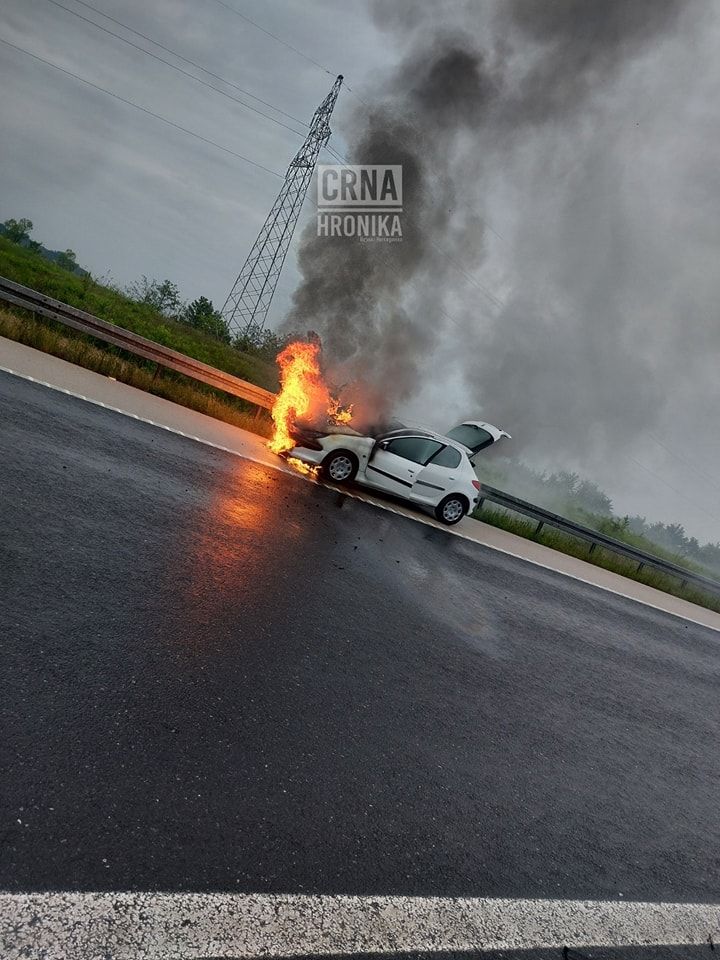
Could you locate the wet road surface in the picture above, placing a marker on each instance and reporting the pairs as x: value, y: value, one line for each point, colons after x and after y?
x: 79, y: 382
x: 218, y: 677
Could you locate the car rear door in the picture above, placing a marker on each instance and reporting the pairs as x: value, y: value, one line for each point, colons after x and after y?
x: 439, y: 476
x: 395, y: 463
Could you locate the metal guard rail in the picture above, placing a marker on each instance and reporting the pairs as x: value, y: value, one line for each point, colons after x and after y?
x: 29, y: 299
x: 595, y: 538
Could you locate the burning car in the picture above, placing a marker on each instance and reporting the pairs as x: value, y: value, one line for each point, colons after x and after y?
x: 429, y: 469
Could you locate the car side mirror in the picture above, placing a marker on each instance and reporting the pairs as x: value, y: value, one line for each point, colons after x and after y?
x: 384, y: 444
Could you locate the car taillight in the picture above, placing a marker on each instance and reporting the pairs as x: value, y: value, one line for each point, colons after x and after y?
x: 476, y: 484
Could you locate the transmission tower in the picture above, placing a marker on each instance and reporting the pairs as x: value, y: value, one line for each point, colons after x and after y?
x: 247, y: 305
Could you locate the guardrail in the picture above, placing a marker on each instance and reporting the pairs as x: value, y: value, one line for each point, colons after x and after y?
x: 594, y: 537
x: 29, y: 299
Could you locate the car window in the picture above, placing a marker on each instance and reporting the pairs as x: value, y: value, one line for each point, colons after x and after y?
x: 471, y: 436
x: 417, y: 449
x: 447, y: 457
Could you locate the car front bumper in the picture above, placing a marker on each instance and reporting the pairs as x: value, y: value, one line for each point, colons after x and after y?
x: 313, y: 458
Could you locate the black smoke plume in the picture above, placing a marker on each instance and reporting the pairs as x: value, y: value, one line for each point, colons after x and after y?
x: 517, y: 91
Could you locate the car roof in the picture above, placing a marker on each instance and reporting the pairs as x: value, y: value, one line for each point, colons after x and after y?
x: 425, y: 434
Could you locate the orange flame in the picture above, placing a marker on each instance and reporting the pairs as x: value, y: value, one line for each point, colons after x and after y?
x: 304, y: 395
x: 337, y: 413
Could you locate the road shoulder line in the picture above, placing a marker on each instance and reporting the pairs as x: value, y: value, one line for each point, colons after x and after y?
x: 158, y: 926
x: 714, y: 619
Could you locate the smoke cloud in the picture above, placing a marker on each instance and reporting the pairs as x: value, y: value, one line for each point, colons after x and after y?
x: 557, y: 328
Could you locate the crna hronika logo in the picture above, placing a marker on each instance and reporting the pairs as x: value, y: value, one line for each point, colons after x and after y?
x: 360, y: 201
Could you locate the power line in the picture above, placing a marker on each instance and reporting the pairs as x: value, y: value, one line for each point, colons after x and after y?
x: 335, y: 155
x: 681, y: 493
x: 175, y: 67
x: 674, y: 453
x: 249, y: 300
x: 192, y: 63
x: 274, y: 36
x: 358, y: 97
x: 451, y: 260
x: 413, y: 283
x: 291, y: 47
x: 145, y: 110
x: 564, y: 425
x: 347, y: 87
x: 470, y: 279
x: 495, y: 300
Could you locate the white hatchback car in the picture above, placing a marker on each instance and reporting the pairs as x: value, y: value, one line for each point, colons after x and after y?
x: 429, y: 469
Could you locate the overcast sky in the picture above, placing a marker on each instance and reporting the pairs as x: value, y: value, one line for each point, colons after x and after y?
x: 133, y: 195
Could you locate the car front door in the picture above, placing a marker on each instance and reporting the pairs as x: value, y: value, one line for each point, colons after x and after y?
x: 395, y: 463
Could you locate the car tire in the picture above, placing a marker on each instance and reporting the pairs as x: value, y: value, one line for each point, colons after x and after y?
x: 451, y: 509
x: 341, y: 466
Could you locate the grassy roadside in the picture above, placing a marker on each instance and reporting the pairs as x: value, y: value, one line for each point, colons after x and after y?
x: 574, y: 547
x: 29, y: 268
x: 111, y: 362
x: 108, y: 361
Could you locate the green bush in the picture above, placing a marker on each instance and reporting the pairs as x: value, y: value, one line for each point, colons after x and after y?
x: 105, y: 301
x: 51, y: 337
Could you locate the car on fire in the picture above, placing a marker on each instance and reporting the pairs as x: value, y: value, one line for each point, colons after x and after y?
x: 432, y: 470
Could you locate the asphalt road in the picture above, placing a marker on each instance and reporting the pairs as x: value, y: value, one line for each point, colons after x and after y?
x: 219, y: 677
x: 68, y: 377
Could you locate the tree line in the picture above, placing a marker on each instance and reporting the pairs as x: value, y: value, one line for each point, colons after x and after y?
x: 164, y: 296
x: 567, y: 493
x: 18, y: 231
x: 161, y: 295
x: 562, y: 491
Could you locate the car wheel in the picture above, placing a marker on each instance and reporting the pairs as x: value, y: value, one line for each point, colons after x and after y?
x: 451, y: 510
x: 340, y: 467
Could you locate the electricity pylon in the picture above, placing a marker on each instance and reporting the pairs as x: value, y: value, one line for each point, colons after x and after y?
x: 247, y: 305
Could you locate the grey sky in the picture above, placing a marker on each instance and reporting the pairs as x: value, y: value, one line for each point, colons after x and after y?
x: 636, y: 173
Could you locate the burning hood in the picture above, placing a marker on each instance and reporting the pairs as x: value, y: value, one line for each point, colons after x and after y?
x: 305, y: 401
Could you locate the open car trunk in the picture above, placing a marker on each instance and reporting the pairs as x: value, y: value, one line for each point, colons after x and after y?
x: 474, y: 435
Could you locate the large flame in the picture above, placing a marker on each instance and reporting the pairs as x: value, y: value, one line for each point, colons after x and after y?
x: 304, y: 395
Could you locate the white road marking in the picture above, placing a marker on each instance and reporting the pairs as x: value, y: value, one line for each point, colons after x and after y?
x: 165, y: 926
x: 418, y: 518
x: 153, y: 423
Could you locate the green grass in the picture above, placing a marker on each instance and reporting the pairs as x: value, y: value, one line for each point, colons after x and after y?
x: 32, y: 270
x: 600, y: 557
x: 29, y: 268
x: 105, y: 359
x: 618, y: 529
